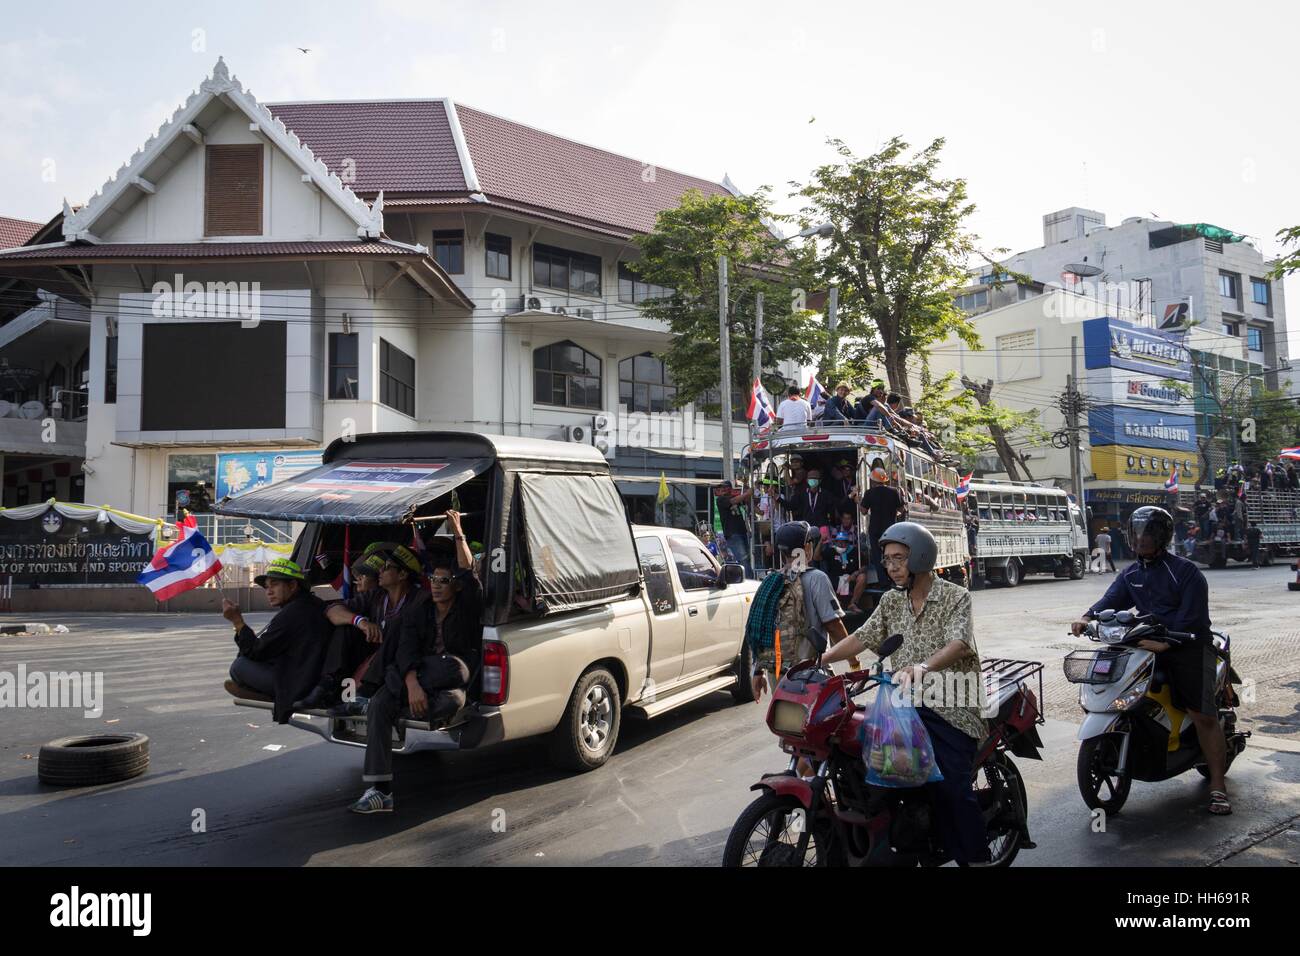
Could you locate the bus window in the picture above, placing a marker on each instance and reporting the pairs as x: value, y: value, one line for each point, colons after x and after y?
x: 985, y: 513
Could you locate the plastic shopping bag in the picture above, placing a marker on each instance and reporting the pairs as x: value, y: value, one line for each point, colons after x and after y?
x: 895, y: 744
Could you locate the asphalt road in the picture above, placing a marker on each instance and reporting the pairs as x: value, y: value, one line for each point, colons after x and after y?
x: 274, y: 795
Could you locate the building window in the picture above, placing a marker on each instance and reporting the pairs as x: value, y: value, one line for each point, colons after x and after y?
x: 449, y: 250
x: 1255, y: 339
x: 110, y: 370
x: 1231, y: 328
x: 344, y: 368
x: 396, y: 379
x: 566, y: 374
x: 636, y: 290
x: 646, y: 385
x: 498, y: 256
x: 232, y: 197
x: 1259, y: 291
x: 1228, y: 285
x: 711, y: 402
x: 569, y: 271
x: 970, y: 301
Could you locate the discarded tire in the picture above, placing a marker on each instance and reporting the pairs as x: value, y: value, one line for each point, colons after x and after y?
x: 95, y: 759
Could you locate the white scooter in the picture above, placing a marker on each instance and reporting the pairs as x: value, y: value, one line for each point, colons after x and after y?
x: 1134, y: 729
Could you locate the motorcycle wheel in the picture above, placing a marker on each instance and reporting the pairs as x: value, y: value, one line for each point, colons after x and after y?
x: 1099, y: 785
x: 999, y: 782
x: 767, y: 834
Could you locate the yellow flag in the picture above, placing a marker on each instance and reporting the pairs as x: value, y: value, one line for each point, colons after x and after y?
x: 663, y: 489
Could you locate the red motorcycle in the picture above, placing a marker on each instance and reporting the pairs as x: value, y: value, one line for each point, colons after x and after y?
x: 836, y: 818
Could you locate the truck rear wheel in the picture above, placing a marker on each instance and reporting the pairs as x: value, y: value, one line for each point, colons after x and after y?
x: 1078, y: 564
x: 585, y: 736
x: 1012, y: 573
x: 742, y: 692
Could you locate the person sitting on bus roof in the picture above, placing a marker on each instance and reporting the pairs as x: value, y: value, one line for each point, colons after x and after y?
x: 869, y: 407
x: 794, y: 412
x: 838, y: 406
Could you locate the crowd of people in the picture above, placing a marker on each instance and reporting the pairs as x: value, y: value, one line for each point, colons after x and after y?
x: 406, y: 640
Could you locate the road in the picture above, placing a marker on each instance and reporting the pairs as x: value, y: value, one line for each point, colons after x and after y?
x: 271, y: 795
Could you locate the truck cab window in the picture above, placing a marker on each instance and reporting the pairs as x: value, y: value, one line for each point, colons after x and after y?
x: 696, y: 568
x: 658, y: 579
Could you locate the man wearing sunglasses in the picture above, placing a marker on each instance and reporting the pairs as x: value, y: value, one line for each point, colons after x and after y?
x: 437, y: 646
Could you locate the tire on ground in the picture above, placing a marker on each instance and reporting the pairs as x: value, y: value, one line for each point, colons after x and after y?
x: 566, y: 746
x: 742, y: 692
x: 91, y: 760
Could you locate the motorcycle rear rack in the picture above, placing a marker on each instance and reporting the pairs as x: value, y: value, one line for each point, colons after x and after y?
x: 1002, y: 674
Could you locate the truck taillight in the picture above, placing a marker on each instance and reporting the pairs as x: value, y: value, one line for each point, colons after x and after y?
x: 496, y: 674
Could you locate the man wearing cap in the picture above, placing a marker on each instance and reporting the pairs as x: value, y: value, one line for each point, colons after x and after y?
x: 366, y: 625
x: 838, y: 406
x: 883, y: 503
x: 283, y: 660
x: 870, y: 406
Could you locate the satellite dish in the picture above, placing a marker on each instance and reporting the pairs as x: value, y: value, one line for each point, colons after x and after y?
x: 1082, y: 269
x: 6, y: 409
x: 31, y: 409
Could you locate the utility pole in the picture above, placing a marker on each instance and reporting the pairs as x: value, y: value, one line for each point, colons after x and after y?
x: 758, y: 336
x: 1076, y: 466
x: 833, y: 327
x: 724, y: 350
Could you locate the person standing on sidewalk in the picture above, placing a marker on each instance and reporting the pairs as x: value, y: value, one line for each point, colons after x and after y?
x: 1253, y: 537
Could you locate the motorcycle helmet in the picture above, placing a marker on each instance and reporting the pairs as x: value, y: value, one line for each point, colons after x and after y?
x: 922, y: 550
x: 1152, y: 521
x: 794, y: 534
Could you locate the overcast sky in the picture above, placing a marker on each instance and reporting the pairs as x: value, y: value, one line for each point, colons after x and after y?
x: 1181, y: 110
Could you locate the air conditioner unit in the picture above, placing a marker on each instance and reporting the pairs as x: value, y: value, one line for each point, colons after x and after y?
x: 585, y: 313
x: 577, y: 433
x: 601, y: 423
x: 532, y: 303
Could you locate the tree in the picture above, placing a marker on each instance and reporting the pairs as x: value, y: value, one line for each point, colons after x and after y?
x: 968, y: 422
x: 681, y: 255
x: 1261, y: 421
x: 899, y: 249
x: 1290, y: 262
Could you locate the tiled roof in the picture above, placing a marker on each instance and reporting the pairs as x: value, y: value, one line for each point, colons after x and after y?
x: 14, y: 232
x: 163, y: 251
x: 398, y: 147
x: 407, y: 149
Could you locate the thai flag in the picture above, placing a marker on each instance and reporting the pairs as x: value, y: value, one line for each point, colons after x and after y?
x: 815, y: 394
x: 1171, y: 483
x: 1292, y: 453
x: 760, y: 406
x: 963, y: 486
x: 180, y: 566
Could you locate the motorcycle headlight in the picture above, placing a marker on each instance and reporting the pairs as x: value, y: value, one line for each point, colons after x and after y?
x: 789, y: 717
x: 1112, y: 633
x: 1135, y: 694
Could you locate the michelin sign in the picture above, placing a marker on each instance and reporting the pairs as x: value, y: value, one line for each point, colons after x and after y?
x: 1110, y: 343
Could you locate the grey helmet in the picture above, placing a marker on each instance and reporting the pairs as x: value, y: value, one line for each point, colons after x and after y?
x: 793, y: 535
x: 922, y: 551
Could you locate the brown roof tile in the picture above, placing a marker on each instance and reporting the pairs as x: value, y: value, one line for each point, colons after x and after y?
x: 206, y: 250
x: 14, y: 232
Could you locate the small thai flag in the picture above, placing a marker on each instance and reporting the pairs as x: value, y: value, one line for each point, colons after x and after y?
x: 181, y: 566
x: 1171, y: 483
x: 815, y: 394
x: 1292, y: 453
x: 963, y: 486
x: 760, y: 406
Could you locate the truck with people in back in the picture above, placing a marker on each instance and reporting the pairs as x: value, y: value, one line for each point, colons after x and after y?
x: 1026, y: 528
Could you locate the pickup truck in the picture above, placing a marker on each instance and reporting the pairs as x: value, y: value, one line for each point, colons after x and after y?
x: 587, y: 618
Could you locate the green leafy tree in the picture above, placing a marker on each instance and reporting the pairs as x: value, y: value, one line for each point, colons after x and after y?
x: 1289, y: 261
x: 899, y: 248
x: 969, y: 423
x: 681, y: 254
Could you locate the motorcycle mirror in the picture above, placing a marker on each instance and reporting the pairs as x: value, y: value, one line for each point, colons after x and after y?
x: 1106, y: 616
x: 1124, y: 617
x: 891, y: 644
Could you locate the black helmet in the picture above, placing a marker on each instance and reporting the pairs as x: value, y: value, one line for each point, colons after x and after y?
x: 793, y: 534
x: 1152, y: 521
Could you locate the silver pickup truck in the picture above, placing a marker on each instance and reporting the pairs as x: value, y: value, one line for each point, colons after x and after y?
x: 587, y: 619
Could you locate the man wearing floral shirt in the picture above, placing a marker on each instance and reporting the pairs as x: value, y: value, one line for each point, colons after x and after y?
x: 934, y: 618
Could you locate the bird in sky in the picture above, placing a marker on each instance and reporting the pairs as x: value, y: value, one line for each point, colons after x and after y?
x: 304, y: 49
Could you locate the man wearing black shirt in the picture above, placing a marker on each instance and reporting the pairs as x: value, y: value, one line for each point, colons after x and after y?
x: 813, y: 504
x: 882, y: 503
x: 729, y: 501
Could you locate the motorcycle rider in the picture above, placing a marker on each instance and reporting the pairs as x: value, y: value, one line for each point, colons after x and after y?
x: 934, y: 617
x: 1174, y: 591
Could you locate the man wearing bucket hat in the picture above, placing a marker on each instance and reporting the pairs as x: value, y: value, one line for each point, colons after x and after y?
x: 283, y: 660
x: 366, y: 625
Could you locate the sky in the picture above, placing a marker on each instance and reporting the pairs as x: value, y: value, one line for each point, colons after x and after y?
x: 1185, y: 111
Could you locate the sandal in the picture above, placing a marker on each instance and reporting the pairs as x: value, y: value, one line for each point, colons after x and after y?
x: 1219, y: 805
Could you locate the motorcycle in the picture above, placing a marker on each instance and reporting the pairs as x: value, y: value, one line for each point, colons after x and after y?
x: 836, y: 818
x: 1134, y: 729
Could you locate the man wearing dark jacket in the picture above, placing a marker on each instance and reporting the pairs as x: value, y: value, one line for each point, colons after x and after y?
x: 437, y: 649
x: 283, y: 660
x: 813, y: 503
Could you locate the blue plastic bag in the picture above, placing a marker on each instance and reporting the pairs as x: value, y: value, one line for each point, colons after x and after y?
x: 896, y: 746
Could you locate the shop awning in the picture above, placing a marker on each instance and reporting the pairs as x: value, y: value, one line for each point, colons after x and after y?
x: 355, y: 491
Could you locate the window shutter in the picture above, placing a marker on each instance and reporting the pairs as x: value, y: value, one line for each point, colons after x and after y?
x: 232, y: 201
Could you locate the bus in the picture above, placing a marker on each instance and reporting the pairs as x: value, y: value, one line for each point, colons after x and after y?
x: 928, y: 487
x: 1026, y: 528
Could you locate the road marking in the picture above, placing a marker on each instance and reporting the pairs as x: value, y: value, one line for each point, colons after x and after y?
x: 212, y: 704
x: 151, y: 698
x: 1268, y: 742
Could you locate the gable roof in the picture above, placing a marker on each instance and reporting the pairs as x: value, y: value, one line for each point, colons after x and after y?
x: 134, y: 174
x: 16, y: 232
x: 436, y: 150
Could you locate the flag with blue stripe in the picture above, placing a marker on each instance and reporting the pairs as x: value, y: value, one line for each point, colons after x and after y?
x: 181, y: 566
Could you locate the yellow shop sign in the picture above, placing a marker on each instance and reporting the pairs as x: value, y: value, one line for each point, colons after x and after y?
x: 1146, y: 465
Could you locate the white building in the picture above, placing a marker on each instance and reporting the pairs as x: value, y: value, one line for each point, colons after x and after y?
x: 263, y: 279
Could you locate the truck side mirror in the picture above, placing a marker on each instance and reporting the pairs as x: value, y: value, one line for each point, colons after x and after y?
x: 731, y: 574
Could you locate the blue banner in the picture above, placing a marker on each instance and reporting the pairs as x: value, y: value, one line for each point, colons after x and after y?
x: 1116, y: 344
x: 1120, y: 425
x: 243, y: 471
